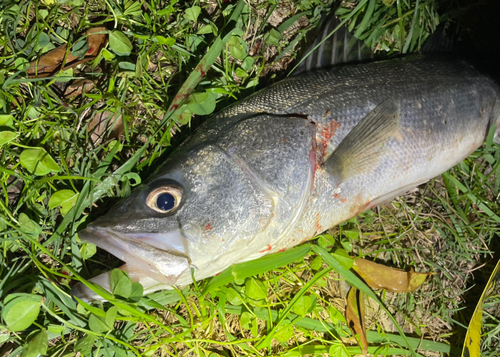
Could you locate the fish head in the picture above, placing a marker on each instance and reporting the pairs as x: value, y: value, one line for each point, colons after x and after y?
x: 199, y: 206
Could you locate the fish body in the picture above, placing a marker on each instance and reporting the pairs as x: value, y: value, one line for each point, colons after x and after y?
x: 294, y: 160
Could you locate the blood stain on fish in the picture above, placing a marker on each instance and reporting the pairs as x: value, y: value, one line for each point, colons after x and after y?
x: 267, y: 249
x: 327, y: 132
x: 208, y: 227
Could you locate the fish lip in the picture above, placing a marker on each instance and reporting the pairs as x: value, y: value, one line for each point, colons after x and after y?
x: 123, y: 246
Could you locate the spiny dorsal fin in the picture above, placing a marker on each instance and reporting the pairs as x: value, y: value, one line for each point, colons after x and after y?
x: 362, y: 148
x: 341, y: 47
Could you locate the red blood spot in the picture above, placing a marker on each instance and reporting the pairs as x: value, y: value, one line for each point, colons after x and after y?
x: 342, y: 199
x: 174, y: 107
x: 328, y: 132
x: 282, y: 250
x: 91, y: 50
x: 217, y: 274
x: 318, y: 226
x: 268, y: 248
x: 208, y: 227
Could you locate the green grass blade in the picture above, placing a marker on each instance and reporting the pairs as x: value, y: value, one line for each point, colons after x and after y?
x: 254, y: 267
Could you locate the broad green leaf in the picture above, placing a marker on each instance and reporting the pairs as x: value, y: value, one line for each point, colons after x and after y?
x: 192, y: 13
x: 127, y: 66
x: 64, y: 198
x: 237, y: 47
x: 57, y: 329
x: 120, y: 283
x: 205, y: 30
x: 247, y: 63
x: 111, y: 316
x: 352, y: 234
x: 249, y: 322
x: 4, y: 337
x: 108, y: 56
x: 38, y: 161
x: 169, y: 41
x: 19, y: 313
x: 346, y: 244
x: 316, y: 263
x: 98, y: 324
x: 36, y: 345
x: 273, y: 37
x: 88, y: 250
x: 303, y: 305
x: 255, y: 289
x: 21, y: 63
x: 339, y: 350
x: 137, y: 292
x: 80, y: 48
x: 28, y: 226
x: 33, y: 112
x: 335, y: 315
x: 6, y: 136
x: 84, y: 345
x: 6, y: 120
x: 343, y: 258
x: 241, y: 73
x: 326, y: 241
x: 284, y: 334
x: 42, y: 41
x: 119, y: 43
x: 202, y: 103
x: 233, y: 297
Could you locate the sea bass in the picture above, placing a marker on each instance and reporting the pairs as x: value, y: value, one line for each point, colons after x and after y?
x: 294, y: 160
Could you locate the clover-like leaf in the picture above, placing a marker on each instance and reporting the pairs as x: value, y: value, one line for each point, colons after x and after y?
x: 119, y: 43
x: 64, y: 198
x: 38, y: 161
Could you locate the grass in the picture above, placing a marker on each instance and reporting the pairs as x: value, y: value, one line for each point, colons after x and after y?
x: 164, y: 63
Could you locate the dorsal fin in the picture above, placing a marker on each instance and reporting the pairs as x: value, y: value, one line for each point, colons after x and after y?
x: 332, y: 47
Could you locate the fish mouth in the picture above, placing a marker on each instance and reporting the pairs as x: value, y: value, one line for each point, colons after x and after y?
x: 161, y: 257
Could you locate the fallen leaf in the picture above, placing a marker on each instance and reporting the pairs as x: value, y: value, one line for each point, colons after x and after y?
x: 378, y: 276
x: 472, y: 344
x: 78, y: 87
x: 105, y: 125
x: 52, y: 61
x: 355, y: 316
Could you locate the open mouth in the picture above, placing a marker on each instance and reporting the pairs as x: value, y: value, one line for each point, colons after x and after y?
x: 151, y: 259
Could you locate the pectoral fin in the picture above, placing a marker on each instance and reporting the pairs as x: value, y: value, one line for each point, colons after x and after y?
x: 362, y: 149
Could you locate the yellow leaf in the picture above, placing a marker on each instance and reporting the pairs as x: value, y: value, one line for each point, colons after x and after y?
x: 355, y: 316
x: 378, y: 276
x: 472, y: 344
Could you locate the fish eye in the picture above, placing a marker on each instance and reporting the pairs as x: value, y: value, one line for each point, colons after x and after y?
x: 164, y: 199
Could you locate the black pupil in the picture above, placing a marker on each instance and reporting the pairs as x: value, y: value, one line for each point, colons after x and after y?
x: 165, y: 201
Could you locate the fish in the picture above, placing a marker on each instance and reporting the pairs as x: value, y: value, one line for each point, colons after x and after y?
x: 294, y: 160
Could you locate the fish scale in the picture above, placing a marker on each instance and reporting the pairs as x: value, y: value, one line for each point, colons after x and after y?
x: 297, y: 158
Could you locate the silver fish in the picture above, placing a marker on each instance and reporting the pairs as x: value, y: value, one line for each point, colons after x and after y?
x: 294, y: 160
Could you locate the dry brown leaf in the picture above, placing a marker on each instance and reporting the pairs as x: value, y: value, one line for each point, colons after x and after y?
x: 378, y: 276
x: 51, y: 62
x: 105, y: 125
x: 78, y: 87
x: 355, y: 316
